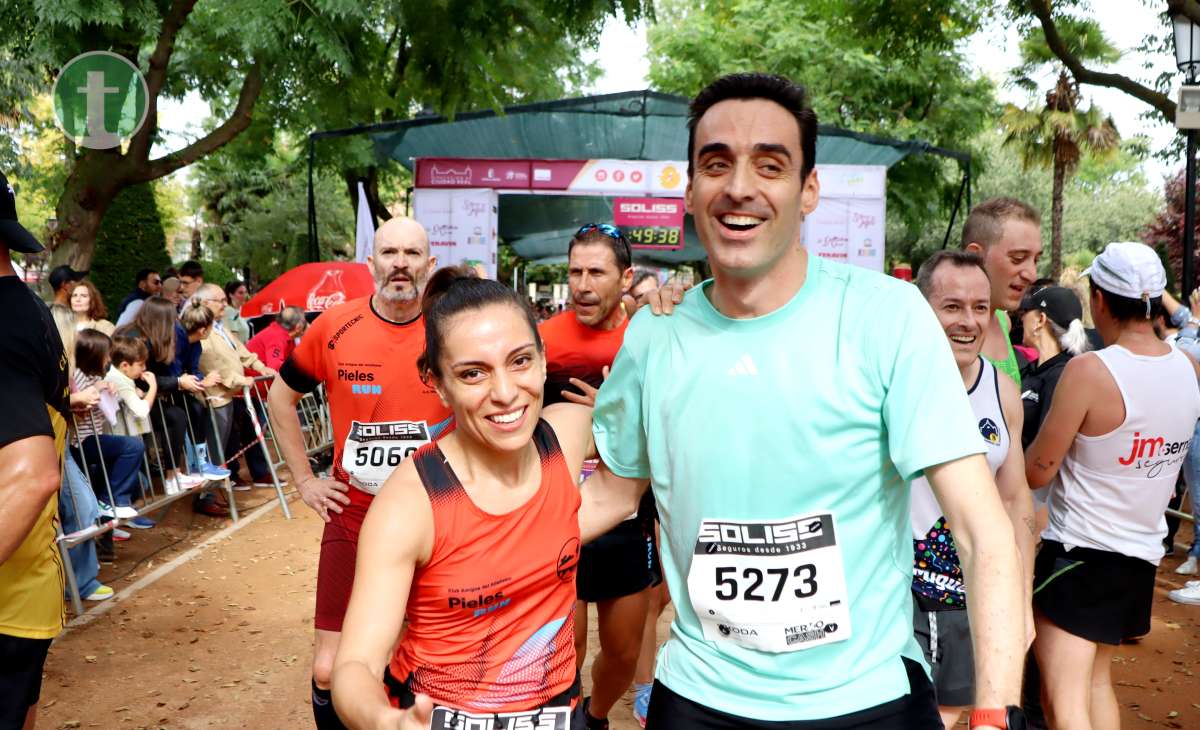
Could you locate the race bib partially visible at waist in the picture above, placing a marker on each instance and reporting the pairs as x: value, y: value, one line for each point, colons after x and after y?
x: 774, y: 586
x: 373, y: 450
x: 544, y: 718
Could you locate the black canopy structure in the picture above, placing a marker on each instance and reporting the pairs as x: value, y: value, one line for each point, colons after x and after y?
x: 631, y: 125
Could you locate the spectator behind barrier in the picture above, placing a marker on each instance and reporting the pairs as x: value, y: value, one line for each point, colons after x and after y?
x: 146, y: 284
x: 128, y: 356
x: 236, y: 295
x: 89, y: 309
x: 61, y: 279
x: 278, y: 339
x: 191, y: 276
x: 156, y: 326
x: 112, y: 461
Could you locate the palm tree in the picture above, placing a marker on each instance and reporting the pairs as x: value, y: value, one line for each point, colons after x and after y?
x: 1059, y: 134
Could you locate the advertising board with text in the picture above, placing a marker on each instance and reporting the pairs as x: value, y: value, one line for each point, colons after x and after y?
x: 650, y: 223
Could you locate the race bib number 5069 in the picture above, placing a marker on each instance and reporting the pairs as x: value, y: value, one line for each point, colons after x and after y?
x: 373, y: 450
x: 771, y: 586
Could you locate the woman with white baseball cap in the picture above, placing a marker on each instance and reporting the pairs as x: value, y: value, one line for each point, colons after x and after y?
x: 1111, y: 453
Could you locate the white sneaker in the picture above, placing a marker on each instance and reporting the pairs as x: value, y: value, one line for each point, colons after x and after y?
x: 1188, y: 567
x: 1189, y: 594
x: 125, y: 513
x: 187, y: 481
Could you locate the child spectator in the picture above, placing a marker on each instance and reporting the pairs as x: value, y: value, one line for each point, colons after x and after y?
x: 101, y: 454
x: 128, y: 365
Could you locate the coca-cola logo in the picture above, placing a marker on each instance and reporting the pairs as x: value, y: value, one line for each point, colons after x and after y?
x: 321, y: 302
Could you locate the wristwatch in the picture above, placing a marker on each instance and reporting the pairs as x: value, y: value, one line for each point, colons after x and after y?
x: 1007, y: 718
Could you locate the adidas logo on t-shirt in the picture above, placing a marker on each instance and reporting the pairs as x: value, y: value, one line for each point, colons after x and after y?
x: 744, y: 366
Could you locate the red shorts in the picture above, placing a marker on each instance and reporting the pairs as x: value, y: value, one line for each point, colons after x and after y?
x: 339, y: 551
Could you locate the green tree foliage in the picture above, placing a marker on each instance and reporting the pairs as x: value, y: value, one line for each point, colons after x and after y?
x: 130, y: 238
x: 254, y: 198
x: 1165, y: 232
x: 299, y: 64
x: 1106, y: 200
x: 895, y: 68
x: 1059, y: 133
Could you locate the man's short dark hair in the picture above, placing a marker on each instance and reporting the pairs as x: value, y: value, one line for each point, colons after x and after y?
x: 985, y: 222
x: 142, y: 275
x: 192, y: 269
x: 61, y: 276
x: 779, y: 89
x: 1128, y: 309
x: 960, y: 259
x: 618, y: 246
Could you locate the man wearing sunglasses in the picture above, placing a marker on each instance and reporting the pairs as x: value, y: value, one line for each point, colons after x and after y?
x: 616, y: 570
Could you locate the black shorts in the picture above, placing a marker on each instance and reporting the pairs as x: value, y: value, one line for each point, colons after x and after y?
x: 1096, y: 595
x: 916, y: 710
x: 400, y: 695
x: 945, y: 639
x: 21, y: 662
x: 622, y: 561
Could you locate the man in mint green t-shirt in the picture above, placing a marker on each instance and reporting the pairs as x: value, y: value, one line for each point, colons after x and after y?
x: 779, y: 426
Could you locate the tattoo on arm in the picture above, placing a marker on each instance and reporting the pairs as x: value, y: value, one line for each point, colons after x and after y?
x: 1043, y: 464
x: 1031, y: 524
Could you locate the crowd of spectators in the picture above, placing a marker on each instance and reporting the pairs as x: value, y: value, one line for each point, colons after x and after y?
x: 156, y: 400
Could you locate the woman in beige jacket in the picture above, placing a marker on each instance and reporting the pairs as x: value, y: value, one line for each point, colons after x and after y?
x: 223, y: 353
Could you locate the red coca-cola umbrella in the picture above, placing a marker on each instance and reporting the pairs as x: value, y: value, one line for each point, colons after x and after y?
x: 315, y: 287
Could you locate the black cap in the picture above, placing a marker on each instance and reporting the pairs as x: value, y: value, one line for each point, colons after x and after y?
x: 13, y: 234
x: 60, y: 275
x: 1060, y: 304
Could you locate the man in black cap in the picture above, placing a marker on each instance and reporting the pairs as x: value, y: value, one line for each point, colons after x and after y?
x: 62, y: 279
x: 35, y: 398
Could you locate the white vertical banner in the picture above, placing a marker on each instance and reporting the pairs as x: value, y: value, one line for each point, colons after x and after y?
x: 364, y: 231
x: 848, y: 224
x: 461, y: 224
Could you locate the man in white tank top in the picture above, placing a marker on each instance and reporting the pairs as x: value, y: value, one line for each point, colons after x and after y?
x: 956, y: 285
x: 1110, y: 452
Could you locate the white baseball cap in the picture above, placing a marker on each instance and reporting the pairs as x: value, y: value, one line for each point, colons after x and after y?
x: 1129, y: 269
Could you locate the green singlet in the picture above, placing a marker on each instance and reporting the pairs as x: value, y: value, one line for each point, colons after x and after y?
x: 1008, y: 366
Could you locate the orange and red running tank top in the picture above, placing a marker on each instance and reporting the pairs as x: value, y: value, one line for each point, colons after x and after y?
x: 380, y: 409
x: 574, y: 350
x: 491, y: 615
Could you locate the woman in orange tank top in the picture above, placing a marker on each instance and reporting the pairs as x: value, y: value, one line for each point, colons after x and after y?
x: 476, y: 537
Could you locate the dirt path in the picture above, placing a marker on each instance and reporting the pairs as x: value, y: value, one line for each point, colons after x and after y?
x: 224, y: 640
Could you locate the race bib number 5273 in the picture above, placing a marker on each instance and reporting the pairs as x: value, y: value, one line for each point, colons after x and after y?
x: 774, y: 586
x: 373, y: 450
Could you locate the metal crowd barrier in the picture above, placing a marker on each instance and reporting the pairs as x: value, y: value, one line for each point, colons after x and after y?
x: 159, y: 458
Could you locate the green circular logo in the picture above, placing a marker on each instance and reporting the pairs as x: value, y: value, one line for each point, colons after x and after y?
x: 100, y: 99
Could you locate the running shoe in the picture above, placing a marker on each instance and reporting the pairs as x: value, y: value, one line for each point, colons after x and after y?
x: 141, y: 523
x: 1188, y: 567
x: 104, y: 510
x: 641, y: 701
x: 1189, y: 594
x: 187, y: 481
x: 125, y: 512
x: 103, y: 593
x: 120, y: 535
x: 215, y: 473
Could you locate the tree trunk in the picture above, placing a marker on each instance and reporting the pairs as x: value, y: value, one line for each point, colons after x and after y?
x: 87, y: 193
x: 1056, y: 218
